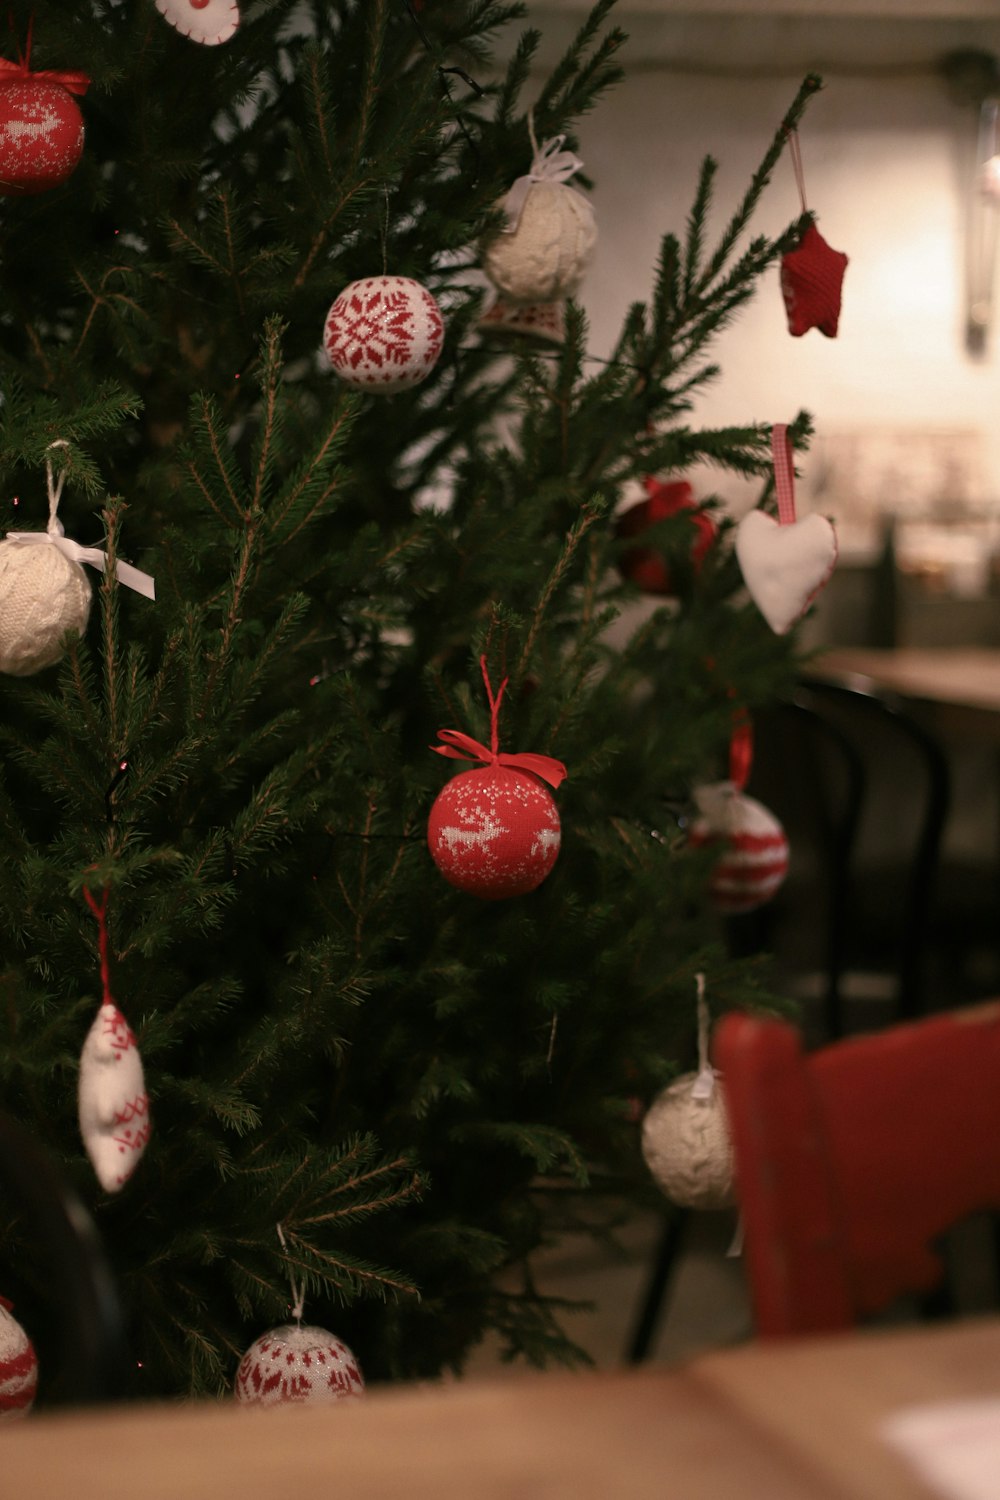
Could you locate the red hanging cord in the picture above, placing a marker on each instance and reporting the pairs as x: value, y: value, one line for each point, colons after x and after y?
x: 100, y: 911
x: 494, y: 705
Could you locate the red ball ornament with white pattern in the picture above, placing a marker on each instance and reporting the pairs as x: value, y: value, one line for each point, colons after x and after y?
x: 41, y: 128
x: 495, y: 832
x: 18, y: 1366
x: 753, y: 849
x: 384, y: 334
x: 299, y: 1364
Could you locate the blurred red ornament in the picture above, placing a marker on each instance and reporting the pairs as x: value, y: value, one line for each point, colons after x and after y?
x: 645, y: 566
x: 41, y: 128
x: 18, y: 1366
x: 812, y: 277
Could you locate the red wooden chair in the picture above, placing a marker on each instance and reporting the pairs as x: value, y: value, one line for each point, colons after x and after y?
x: 852, y: 1160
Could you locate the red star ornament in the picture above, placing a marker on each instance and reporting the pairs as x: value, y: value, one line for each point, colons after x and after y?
x: 812, y: 276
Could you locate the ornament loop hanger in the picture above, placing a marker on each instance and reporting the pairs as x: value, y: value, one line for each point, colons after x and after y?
x: 784, y: 473
x: 298, y: 1287
x: 459, y: 746
x: 800, y: 179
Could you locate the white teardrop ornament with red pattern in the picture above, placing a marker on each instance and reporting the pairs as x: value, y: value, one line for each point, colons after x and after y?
x: 297, y: 1363
x: 112, y: 1100
x: 384, y: 334
x: 753, y: 849
x: 207, y: 21
x: 18, y: 1366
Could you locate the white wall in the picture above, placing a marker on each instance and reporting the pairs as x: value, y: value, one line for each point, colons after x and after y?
x: 907, y: 413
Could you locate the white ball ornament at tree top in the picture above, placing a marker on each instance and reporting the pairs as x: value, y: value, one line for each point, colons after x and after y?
x: 299, y: 1364
x: 543, y: 250
x: 384, y: 334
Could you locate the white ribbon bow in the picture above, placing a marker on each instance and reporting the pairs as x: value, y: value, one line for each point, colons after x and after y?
x: 131, y: 577
x: 550, y: 164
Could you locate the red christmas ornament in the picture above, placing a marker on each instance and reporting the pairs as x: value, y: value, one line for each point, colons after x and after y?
x: 18, y: 1366
x: 811, y: 279
x: 644, y: 565
x: 41, y: 128
x: 495, y: 832
x: 300, y: 1364
x: 753, y: 849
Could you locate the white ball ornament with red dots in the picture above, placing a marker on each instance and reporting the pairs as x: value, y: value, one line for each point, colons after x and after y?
x: 18, y: 1367
x: 384, y: 334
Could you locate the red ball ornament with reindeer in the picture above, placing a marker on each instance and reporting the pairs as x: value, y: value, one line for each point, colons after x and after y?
x: 495, y: 832
x: 41, y: 127
x: 646, y: 566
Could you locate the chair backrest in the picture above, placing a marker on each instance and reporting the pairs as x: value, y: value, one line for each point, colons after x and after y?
x: 852, y: 1160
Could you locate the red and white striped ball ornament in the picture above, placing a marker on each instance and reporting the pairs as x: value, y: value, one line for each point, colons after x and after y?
x: 384, y: 334
x: 41, y: 128
x: 495, y: 832
x: 297, y: 1363
x: 18, y: 1366
x: 753, y: 849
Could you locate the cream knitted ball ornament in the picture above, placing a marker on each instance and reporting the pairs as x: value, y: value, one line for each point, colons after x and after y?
x: 686, y: 1144
x: 43, y: 595
x: 545, y: 257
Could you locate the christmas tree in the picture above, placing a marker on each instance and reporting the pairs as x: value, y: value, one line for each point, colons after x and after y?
x: 230, y: 786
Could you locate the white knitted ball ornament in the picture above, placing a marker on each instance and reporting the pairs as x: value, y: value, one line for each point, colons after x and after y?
x: 686, y: 1144
x: 546, y: 255
x: 43, y: 594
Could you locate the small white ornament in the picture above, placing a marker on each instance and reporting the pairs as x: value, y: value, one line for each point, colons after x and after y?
x: 113, y: 1103
x: 538, y: 320
x: 207, y: 21
x: 297, y: 1363
x: 384, y: 334
x: 543, y: 259
x: 18, y: 1367
x: 685, y: 1133
x: 784, y: 567
x: 43, y: 596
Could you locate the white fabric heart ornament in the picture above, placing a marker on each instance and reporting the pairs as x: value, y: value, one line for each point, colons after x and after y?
x: 784, y: 562
x: 785, y: 567
x: 207, y: 21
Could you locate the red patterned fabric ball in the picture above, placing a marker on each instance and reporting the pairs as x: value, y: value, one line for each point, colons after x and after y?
x: 384, y: 334
x: 494, y: 832
x: 41, y: 135
x: 297, y: 1363
x: 753, y: 858
x: 18, y: 1367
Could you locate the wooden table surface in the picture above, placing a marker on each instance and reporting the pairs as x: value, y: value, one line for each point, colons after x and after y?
x: 790, y: 1421
x: 958, y: 685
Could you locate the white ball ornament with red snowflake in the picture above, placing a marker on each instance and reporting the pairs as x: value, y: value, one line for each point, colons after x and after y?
x: 41, y: 128
x: 18, y: 1366
x: 384, y: 334
x: 298, y: 1364
x: 209, y: 22
x: 753, y: 849
x: 495, y: 832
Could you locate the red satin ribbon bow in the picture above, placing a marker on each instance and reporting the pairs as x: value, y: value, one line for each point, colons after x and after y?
x: 75, y: 83
x: 459, y: 746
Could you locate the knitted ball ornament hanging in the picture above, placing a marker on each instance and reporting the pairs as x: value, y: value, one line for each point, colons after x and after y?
x: 542, y: 252
x: 44, y: 592
x: 297, y: 1363
x: 752, y: 847
x: 383, y: 334
x: 685, y: 1133
x: 495, y: 832
x: 41, y: 127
